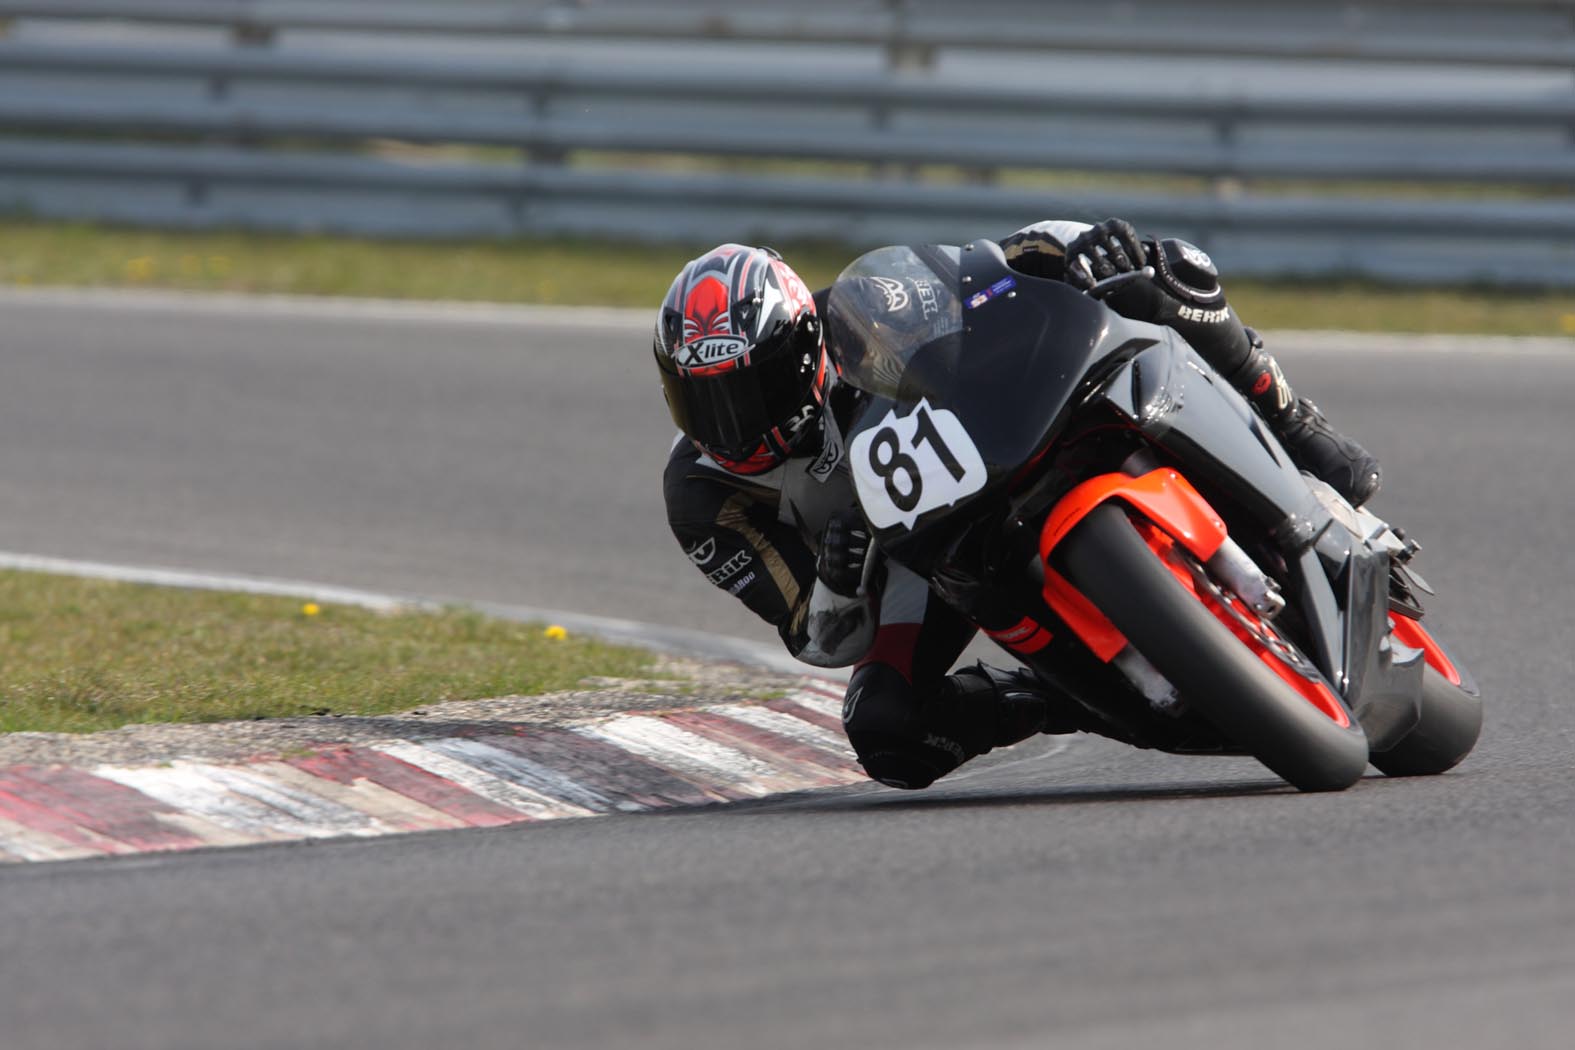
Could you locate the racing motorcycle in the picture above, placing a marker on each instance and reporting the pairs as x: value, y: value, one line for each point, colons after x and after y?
x: 1106, y: 507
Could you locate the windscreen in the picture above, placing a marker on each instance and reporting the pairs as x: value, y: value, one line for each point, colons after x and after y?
x: 889, y: 304
x: 969, y: 367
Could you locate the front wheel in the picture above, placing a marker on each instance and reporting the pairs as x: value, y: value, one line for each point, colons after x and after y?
x: 1265, y: 697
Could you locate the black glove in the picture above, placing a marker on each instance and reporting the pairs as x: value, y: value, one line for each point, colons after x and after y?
x: 1102, y: 251
x: 844, y: 545
x: 1185, y: 293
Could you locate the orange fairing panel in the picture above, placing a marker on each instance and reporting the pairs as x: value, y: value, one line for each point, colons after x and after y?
x: 1163, y: 497
x: 1087, y: 622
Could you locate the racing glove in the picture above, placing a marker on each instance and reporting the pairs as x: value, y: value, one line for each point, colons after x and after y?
x: 844, y: 547
x: 1185, y: 293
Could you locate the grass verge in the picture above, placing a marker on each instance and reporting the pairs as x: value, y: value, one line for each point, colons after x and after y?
x: 79, y: 655
x: 587, y: 272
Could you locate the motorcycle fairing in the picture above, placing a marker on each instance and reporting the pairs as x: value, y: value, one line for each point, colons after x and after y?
x: 1383, y: 677
x: 1340, y: 582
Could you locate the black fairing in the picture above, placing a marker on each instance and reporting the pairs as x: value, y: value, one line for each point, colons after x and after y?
x: 1385, y: 680
x: 1011, y: 365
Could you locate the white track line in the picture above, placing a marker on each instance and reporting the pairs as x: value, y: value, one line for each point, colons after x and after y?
x: 206, y: 581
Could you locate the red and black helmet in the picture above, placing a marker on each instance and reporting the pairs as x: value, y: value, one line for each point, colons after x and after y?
x: 743, y: 363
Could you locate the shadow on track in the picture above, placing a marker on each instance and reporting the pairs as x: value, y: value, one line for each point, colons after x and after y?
x: 1071, y: 795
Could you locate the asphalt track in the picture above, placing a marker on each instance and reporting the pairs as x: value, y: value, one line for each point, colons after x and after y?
x: 1066, y: 894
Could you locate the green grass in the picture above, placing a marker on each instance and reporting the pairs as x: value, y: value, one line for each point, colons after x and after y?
x: 80, y: 655
x: 582, y: 273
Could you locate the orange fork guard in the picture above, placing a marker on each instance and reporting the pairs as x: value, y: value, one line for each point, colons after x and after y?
x: 1165, y: 498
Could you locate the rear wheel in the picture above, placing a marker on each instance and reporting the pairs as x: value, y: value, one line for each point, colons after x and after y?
x: 1448, y: 730
x: 1233, y: 669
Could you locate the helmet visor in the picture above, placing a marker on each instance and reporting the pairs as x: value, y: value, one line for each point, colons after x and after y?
x: 732, y: 411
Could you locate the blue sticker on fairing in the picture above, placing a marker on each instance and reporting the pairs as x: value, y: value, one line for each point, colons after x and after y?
x: 978, y: 299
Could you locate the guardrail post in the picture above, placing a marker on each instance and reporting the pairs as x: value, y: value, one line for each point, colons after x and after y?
x: 903, y: 53
x: 540, y: 104
x: 1226, y: 185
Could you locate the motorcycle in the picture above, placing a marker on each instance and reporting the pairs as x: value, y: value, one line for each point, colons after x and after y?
x: 1091, y: 494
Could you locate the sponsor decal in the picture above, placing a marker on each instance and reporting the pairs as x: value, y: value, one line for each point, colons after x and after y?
x: 799, y: 421
x: 729, y: 568
x: 951, y: 747
x: 850, y: 704
x: 702, y: 552
x: 830, y: 452
x: 1196, y: 256
x: 929, y: 300
x: 978, y: 299
x: 741, y: 584
x: 711, y: 350
x: 1026, y: 637
x: 896, y: 295
x: 1192, y: 313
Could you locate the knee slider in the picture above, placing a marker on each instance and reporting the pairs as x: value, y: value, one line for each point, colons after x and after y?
x: 882, y: 717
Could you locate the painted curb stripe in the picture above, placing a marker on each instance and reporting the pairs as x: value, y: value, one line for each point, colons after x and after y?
x: 525, y: 803
x: 814, y: 768
x: 351, y: 765
x: 41, y: 807
x: 186, y: 788
x: 562, y: 796
x: 634, y: 782
x: 733, y: 773
x: 388, y: 812
x: 833, y: 747
x: 104, y: 807
x: 624, y: 763
x: 795, y: 709
x: 24, y: 843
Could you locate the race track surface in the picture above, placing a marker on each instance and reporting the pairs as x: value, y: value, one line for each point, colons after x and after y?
x: 1067, y: 893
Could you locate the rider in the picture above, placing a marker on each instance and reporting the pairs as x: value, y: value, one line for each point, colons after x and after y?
x: 760, y: 496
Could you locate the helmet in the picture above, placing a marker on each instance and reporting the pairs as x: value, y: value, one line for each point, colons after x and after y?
x: 742, y: 360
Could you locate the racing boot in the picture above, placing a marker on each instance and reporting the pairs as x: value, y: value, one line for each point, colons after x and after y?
x: 1011, y: 706
x: 1313, y: 445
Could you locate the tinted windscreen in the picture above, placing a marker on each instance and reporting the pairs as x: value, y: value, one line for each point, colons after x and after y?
x: 886, y: 306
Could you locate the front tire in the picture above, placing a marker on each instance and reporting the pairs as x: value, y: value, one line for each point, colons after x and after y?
x: 1448, y: 730
x: 1216, y: 672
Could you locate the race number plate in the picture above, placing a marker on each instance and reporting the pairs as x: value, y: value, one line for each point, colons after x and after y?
x: 906, y: 466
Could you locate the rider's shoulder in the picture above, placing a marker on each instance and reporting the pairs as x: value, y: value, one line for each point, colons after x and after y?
x: 691, y: 477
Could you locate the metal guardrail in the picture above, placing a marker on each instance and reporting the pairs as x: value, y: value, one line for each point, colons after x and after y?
x: 1355, y: 30
x: 256, y: 133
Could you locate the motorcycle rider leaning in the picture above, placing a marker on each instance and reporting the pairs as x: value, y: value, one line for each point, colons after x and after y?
x: 760, y: 496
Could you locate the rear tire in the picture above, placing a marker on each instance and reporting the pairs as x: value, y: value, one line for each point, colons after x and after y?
x: 1216, y: 672
x: 1451, y: 722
